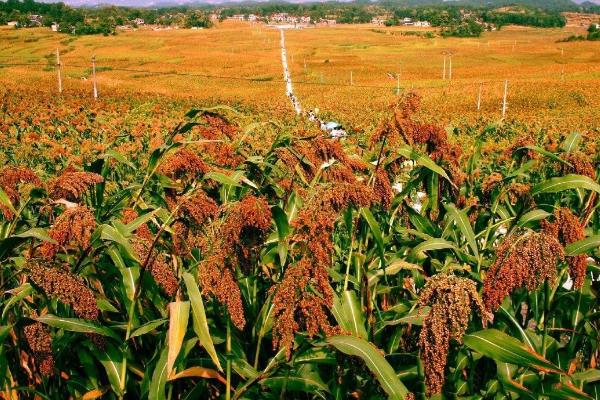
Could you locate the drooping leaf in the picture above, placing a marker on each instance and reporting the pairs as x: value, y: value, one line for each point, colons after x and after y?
x: 376, y: 363
x: 179, y: 312
x: 583, y: 246
x: 76, y: 325
x: 200, y: 322
x: 462, y: 221
x: 559, y: 184
x: 499, y: 346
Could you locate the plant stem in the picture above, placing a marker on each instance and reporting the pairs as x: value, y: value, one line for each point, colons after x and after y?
x: 228, y: 349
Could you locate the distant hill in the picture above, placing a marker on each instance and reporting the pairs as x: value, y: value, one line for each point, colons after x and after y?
x: 548, y: 4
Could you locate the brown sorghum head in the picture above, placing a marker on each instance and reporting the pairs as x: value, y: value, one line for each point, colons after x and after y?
x: 580, y: 164
x: 74, y: 227
x: 491, y: 181
x: 130, y: 215
x: 67, y: 287
x: 452, y: 300
x: 568, y: 229
x: 71, y: 185
x: 219, y: 281
x: 184, y: 163
x: 526, y: 260
x: 158, y: 266
x: 230, y: 244
x: 10, y: 179
x: 40, y: 343
x: 295, y: 304
x: 198, y: 208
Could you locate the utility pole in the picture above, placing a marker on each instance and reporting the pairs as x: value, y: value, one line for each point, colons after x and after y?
x: 504, y: 100
x: 398, y: 84
x: 58, y: 68
x: 444, y: 70
x: 351, y: 80
x: 94, y: 77
x: 479, y: 97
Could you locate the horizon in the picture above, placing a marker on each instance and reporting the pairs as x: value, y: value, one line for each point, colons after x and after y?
x: 167, y: 3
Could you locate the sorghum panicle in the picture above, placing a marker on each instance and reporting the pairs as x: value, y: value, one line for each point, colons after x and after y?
x: 452, y: 300
x: 40, y: 343
x: 67, y: 287
x: 568, y: 229
x: 73, y: 227
x: 71, y: 185
x: 521, y: 261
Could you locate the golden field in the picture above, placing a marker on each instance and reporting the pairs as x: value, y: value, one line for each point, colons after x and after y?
x: 551, y: 84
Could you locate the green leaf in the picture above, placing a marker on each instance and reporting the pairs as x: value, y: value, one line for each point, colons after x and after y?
x: 462, y: 221
x: 571, y: 142
x: 376, y: 363
x: 295, y: 384
x: 533, y: 215
x: 179, y: 312
x: 545, y: 153
x: 37, y: 233
x: 5, y: 201
x: 374, y: 226
x: 147, y: 327
x: 110, y: 153
x: 433, y: 244
x: 112, y: 234
x: 583, y: 246
x: 112, y: 361
x: 221, y: 178
x: 141, y: 220
x: 159, y: 378
x: 571, y: 181
x: 425, y: 161
x: 347, y: 312
x: 200, y: 322
x: 499, y: 346
x: 76, y: 325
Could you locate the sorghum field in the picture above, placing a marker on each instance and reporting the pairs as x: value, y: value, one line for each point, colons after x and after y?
x: 186, y: 237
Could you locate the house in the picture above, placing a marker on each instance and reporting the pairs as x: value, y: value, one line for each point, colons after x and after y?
x: 237, y: 17
x: 252, y: 17
x: 55, y: 27
x: 138, y: 21
x: 328, y: 22
x: 378, y: 21
x: 35, y: 20
x: 423, y: 24
x: 12, y: 23
x: 305, y: 20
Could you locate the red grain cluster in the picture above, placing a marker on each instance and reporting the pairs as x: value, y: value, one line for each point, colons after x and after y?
x: 67, y: 287
x: 521, y: 261
x: 452, y: 300
x: 74, y: 227
x: 10, y: 179
x: 568, y: 229
x: 304, y: 296
x: 72, y: 185
x: 230, y: 245
x: 40, y: 343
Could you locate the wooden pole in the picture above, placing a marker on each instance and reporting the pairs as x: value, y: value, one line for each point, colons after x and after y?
x: 398, y: 84
x: 450, y: 66
x: 351, y: 80
x: 444, y: 69
x: 94, y: 77
x: 504, y: 100
x: 58, y: 68
x: 479, y: 97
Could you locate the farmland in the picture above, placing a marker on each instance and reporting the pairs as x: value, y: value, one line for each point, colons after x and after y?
x: 188, y: 235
